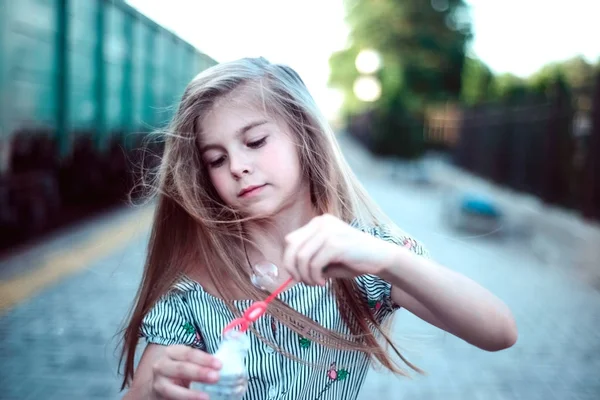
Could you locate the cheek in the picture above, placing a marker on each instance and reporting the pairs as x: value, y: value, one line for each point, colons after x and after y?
x: 274, y: 161
x: 219, y: 182
x: 286, y: 165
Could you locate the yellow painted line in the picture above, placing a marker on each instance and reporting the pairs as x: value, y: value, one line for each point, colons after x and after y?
x: 61, y: 264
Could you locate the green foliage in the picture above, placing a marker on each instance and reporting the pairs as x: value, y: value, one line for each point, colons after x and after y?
x: 477, y: 82
x: 425, y: 46
x: 576, y: 71
x: 510, y: 88
x: 398, y: 129
x: 423, y: 50
x: 343, y: 72
x: 480, y: 85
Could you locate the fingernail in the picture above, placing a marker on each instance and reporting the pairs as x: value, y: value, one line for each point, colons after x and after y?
x: 213, y: 375
x: 217, y: 363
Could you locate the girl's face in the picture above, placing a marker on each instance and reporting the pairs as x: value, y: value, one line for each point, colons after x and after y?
x: 251, y: 158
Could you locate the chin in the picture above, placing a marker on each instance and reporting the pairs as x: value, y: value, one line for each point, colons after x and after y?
x: 261, y: 211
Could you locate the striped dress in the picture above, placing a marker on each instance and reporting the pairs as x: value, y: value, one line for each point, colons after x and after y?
x: 191, y: 316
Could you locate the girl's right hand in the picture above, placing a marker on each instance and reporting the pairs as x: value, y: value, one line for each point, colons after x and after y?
x: 178, y: 367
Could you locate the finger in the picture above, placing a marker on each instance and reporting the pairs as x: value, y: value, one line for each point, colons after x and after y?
x: 189, y: 354
x: 322, y: 259
x: 337, y: 270
x: 289, y: 263
x: 169, y: 390
x: 304, y: 258
x: 294, y: 243
x: 187, y: 371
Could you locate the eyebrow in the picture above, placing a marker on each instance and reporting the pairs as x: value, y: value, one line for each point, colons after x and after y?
x: 239, y: 132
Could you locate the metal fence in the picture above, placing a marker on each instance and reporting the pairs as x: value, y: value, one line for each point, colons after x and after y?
x: 549, y: 149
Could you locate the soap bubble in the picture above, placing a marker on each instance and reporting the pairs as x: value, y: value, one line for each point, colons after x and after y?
x: 265, y: 276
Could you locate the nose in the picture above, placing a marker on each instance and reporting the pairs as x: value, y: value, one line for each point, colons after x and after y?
x: 239, y: 166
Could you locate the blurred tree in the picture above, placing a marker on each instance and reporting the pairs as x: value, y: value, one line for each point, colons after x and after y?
x: 477, y: 82
x: 509, y: 88
x: 398, y: 129
x: 577, y: 74
x: 422, y: 45
x: 480, y: 85
x: 343, y: 74
x: 426, y: 38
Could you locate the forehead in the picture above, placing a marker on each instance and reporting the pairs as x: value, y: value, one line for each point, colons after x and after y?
x: 230, y: 114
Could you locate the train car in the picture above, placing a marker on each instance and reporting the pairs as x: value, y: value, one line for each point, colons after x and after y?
x: 82, y: 82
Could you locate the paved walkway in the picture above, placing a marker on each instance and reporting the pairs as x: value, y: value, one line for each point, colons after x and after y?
x: 554, y: 235
x: 57, y: 340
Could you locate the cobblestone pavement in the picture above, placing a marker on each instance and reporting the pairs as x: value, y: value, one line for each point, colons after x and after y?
x: 60, y: 343
x: 557, y: 355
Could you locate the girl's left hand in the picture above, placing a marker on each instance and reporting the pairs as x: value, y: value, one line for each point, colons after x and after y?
x: 329, y: 241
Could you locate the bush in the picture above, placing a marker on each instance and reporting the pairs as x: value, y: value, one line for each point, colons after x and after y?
x: 397, y: 131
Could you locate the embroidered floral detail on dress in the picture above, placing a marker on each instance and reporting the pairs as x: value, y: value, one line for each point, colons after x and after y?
x: 198, y: 340
x: 188, y: 328
x: 334, y: 375
x: 304, y: 342
x: 409, y: 243
x: 412, y: 245
x: 375, y: 304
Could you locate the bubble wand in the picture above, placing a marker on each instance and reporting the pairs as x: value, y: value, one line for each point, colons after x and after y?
x: 255, y: 311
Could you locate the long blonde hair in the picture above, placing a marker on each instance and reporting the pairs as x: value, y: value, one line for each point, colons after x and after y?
x: 193, y: 227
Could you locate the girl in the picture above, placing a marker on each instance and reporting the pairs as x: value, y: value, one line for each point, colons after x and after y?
x: 251, y: 172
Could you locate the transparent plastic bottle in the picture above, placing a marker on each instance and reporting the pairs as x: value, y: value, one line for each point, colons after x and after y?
x: 233, y: 381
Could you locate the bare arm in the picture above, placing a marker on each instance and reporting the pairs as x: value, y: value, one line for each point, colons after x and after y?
x: 450, y: 301
x: 432, y: 292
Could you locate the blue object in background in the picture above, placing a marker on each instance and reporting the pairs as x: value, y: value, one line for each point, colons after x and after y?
x: 477, y: 204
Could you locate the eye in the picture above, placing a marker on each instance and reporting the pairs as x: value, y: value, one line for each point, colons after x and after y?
x: 257, y: 143
x: 217, y: 163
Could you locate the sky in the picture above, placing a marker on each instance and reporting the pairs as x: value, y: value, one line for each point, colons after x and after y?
x: 516, y: 36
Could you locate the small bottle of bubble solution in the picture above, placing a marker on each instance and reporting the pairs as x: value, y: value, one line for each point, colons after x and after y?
x: 233, y: 380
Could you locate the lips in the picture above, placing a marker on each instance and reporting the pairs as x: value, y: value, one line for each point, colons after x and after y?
x: 249, y: 189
